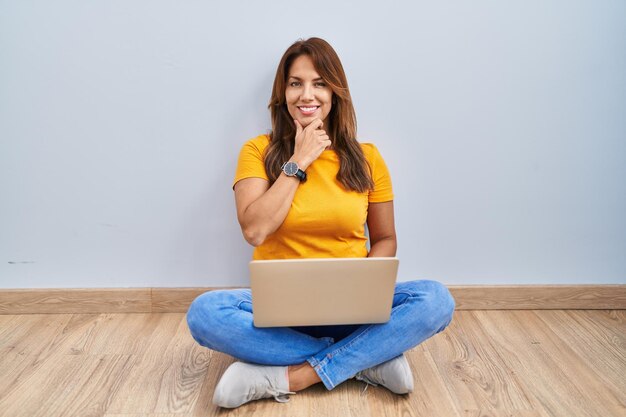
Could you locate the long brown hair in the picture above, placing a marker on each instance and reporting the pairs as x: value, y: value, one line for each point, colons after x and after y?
x: 354, y: 172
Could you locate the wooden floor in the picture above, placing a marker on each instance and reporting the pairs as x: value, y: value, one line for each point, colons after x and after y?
x: 487, y: 363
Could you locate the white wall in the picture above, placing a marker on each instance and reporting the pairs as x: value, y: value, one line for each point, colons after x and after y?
x: 503, y: 124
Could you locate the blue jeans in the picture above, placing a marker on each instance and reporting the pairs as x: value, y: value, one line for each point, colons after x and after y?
x: 222, y: 320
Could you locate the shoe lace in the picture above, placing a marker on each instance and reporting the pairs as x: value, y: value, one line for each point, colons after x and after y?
x: 360, y: 377
x: 280, y: 395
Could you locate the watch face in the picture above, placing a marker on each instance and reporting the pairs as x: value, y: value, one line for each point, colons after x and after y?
x: 290, y: 168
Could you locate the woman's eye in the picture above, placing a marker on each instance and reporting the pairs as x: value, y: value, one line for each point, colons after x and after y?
x: 321, y: 84
x: 294, y: 84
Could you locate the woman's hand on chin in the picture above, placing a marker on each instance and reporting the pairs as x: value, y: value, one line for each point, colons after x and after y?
x: 310, y: 142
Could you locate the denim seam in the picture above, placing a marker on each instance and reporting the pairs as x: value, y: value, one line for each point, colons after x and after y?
x: 326, y: 378
x: 341, y: 349
x: 318, y: 367
x: 410, y: 294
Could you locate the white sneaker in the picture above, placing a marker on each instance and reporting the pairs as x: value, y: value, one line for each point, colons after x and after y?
x: 244, y: 382
x: 395, y: 375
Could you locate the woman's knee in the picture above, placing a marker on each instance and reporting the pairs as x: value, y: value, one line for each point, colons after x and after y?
x: 199, y: 313
x: 443, y: 298
x: 436, y: 304
x: 203, y: 316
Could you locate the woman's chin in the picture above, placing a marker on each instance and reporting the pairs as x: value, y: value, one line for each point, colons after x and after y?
x: 305, y: 121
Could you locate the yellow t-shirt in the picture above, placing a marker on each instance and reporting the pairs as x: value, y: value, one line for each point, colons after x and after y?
x: 325, y: 220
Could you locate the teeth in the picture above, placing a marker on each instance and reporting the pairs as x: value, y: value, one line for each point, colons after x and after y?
x: 307, y: 109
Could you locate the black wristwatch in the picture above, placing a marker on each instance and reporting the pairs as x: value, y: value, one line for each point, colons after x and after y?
x: 291, y: 169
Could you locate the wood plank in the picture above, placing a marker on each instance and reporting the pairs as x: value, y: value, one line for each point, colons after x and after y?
x: 177, y: 300
x: 145, y: 415
x: 504, y: 413
x: 431, y: 395
x: 555, y: 378
x: 25, y: 346
x: 188, y: 364
x: 539, y: 297
x: 68, y: 386
x: 350, y: 399
x: 468, y: 297
x: 79, y: 333
x: 542, y: 381
x: 97, y: 382
x: 573, y: 365
x: 217, y: 364
x: 5, y: 320
x: 168, y: 376
x: 82, y: 329
x: 47, y: 339
x: 603, y: 349
x: 15, y: 328
x: 616, y: 317
x: 610, y: 326
x: 486, y: 364
x: 472, y: 369
x: 14, y: 368
x: 139, y: 331
x: 30, y: 335
x: 81, y: 300
x: 346, y: 399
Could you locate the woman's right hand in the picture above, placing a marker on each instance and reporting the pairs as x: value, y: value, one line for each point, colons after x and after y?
x: 310, y: 142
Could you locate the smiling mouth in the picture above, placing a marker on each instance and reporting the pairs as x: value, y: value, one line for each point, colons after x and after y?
x: 308, y: 109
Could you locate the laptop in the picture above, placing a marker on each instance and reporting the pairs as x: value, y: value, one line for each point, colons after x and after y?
x: 320, y: 291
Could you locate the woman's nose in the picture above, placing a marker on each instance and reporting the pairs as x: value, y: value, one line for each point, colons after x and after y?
x: 307, y: 93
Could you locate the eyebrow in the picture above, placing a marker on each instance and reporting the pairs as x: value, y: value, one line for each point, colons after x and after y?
x: 300, y: 79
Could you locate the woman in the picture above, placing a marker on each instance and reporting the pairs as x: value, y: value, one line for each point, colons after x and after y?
x: 307, y: 190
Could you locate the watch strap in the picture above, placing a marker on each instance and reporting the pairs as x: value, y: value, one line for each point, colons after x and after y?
x: 301, y: 175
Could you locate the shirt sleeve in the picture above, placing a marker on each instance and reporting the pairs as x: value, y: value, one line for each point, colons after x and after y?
x: 383, y: 190
x: 250, y: 163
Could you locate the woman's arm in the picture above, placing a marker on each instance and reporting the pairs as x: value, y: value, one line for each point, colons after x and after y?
x: 261, y: 209
x: 382, y: 230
